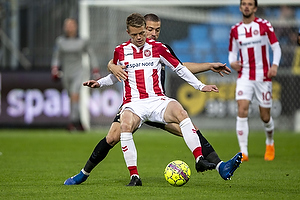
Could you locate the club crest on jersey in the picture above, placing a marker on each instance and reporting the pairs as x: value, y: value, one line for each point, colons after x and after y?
x: 255, y: 32
x: 147, y: 53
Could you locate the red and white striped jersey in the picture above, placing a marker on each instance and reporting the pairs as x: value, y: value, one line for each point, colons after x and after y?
x: 143, y: 65
x: 251, y: 42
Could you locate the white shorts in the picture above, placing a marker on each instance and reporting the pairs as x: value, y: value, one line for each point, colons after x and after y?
x: 150, y: 109
x: 247, y: 89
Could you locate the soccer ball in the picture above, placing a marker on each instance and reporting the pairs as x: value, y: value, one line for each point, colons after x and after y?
x: 177, y: 173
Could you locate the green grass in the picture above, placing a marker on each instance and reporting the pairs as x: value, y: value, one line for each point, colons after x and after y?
x: 35, y: 163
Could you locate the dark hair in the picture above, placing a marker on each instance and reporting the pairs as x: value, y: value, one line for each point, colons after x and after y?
x: 135, y: 20
x: 152, y: 17
x: 255, y: 3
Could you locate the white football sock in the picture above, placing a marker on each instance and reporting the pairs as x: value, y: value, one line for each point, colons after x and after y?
x: 128, y: 148
x: 242, y: 132
x: 85, y: 173
x: 189, y: 134
x: 269, y: 130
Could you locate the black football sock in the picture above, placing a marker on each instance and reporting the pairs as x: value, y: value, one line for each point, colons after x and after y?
x: 99, y: 153
x: 207, y: 150
x: 213, y: 158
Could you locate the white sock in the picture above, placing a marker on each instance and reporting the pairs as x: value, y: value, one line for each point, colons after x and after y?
x: 189, y: 134
x: 242, y: 132
x: 128, y: 148
x: 269, y: 130
x: 85, y: 173
x: 218, y: 166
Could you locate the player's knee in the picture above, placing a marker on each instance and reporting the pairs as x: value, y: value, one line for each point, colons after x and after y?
x: 183, y: 115
x: 242, y: 112
x: 265, y: 118
x: 113, y: 136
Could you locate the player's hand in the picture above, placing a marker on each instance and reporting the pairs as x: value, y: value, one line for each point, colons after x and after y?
x: 237, y: 66
x: 91, y: 84
x: 55, y: 73
x: 220, y: 68
x: 272, y: 71
x: 117, y: 70
x: 210, y: 88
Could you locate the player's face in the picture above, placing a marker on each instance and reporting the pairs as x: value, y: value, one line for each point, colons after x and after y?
x: 70, y: 27
x: 247, y: 7
x: 153, y: 30
x: 138, y: 35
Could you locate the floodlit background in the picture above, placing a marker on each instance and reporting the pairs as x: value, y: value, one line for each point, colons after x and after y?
x: 198, y: 31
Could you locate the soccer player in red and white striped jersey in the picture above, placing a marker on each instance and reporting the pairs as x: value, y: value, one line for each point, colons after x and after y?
x: 143, y: 94
x: 251, y: 39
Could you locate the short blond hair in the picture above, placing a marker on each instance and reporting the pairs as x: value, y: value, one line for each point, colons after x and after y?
x: 135, y: 20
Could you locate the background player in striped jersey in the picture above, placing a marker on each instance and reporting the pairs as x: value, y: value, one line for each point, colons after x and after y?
x: 113, y: 137
x: 251, y: 39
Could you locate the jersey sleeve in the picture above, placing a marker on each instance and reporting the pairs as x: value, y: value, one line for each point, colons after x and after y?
x: 108, y: 80
x: 55, y: 62
x: 117, y: 55
x: 172, y: 52
x: 168, y: 59
x: 271, y: 33
x: 233, y: 46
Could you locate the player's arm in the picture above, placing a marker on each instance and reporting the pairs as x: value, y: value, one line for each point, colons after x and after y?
x: 202, y: 67
x: 233, y: 50
x: 55, y: 62
x: 169, y: 60
x: 117, y: 70
x: 276, y: 59
x: 186, y: 75
x: 234, y: 63
x: 108, y: 80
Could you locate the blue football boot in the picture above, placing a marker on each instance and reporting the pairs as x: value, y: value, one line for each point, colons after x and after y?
x: 77, y: 179
x: 226, y: 169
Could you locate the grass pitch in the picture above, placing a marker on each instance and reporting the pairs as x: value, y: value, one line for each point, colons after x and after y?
x: 35, y: 163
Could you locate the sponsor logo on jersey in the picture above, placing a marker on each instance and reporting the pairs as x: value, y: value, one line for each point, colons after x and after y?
x: 142, y: 64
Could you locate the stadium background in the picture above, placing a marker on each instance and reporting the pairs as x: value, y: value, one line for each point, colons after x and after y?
x: 196, y: 30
